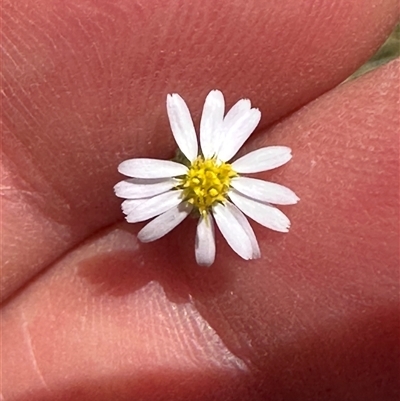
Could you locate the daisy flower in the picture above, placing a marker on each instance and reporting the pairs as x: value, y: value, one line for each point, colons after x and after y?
x: 208, y: 183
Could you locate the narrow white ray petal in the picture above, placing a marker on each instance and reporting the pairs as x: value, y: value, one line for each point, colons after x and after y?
x: 151, y: 168
x: 205, y: 241
x: 136, y: 188
x: 238, y: 109
x: 263, y: 159
x: 154, y: 206
x: 241, y: 218
x: 233, y: 115
x: 264, y: 191
x: 129, y: 205
x: 264, y: 214
x: 182, y: 126
x: 232, y: 230
x: 164, y: 223
x: 211, y: 120
x: 238, y: 133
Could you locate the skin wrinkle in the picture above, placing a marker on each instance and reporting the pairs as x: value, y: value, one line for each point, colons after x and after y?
x: 28, y: 62
x: 33, y: 185
x: 18, y: 47
x: 238, y: 344
x: 193, y: 326
x: 31, y: 351
x: 25, y: 202
x: 5, y: 53
x: 214, y: 344
x: 18, y: 64
x: 67, y: 43
x: 14, y: 109
x: 180, y: 334
x: 99, y: 58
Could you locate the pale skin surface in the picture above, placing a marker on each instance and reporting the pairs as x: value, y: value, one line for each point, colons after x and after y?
x: 107, y: 318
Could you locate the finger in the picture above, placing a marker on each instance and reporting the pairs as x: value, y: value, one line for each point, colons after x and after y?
x: 319, y: 311
x: 85, y: 87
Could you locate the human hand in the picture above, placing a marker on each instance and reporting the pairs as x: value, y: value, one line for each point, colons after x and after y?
x: 91, y: 314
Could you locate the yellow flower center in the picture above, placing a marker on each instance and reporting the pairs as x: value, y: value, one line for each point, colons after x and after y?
x: 206, y: 183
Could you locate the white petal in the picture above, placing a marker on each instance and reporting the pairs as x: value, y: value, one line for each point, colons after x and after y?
x: 205, y: 241
x: 155, y: 206
x: 241, y: 218
x: 211, y: 120
x: 264, y: 191
x: 151, y: 168
x: 164, y: 223
x: 182, y: 126
x: 236, y: 112
x: 263, y: 159
x: 238, y: 109
x: 237, y: 134
x: 264, y: 214
x: 129, y: 205
x: 232, y: 230
x: 136, y: 188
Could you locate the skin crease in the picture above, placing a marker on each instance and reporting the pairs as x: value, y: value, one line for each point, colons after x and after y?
x: 316, y: 318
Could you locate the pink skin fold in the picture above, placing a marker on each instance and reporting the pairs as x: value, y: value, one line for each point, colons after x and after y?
x: 315, y: 318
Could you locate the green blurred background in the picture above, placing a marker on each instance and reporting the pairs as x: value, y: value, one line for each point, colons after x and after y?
x: 388, y: 51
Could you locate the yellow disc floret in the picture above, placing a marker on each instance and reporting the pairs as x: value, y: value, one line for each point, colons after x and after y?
x: 206, y: 183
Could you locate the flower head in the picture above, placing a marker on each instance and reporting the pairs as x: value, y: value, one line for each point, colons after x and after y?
x: 208, y: 183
